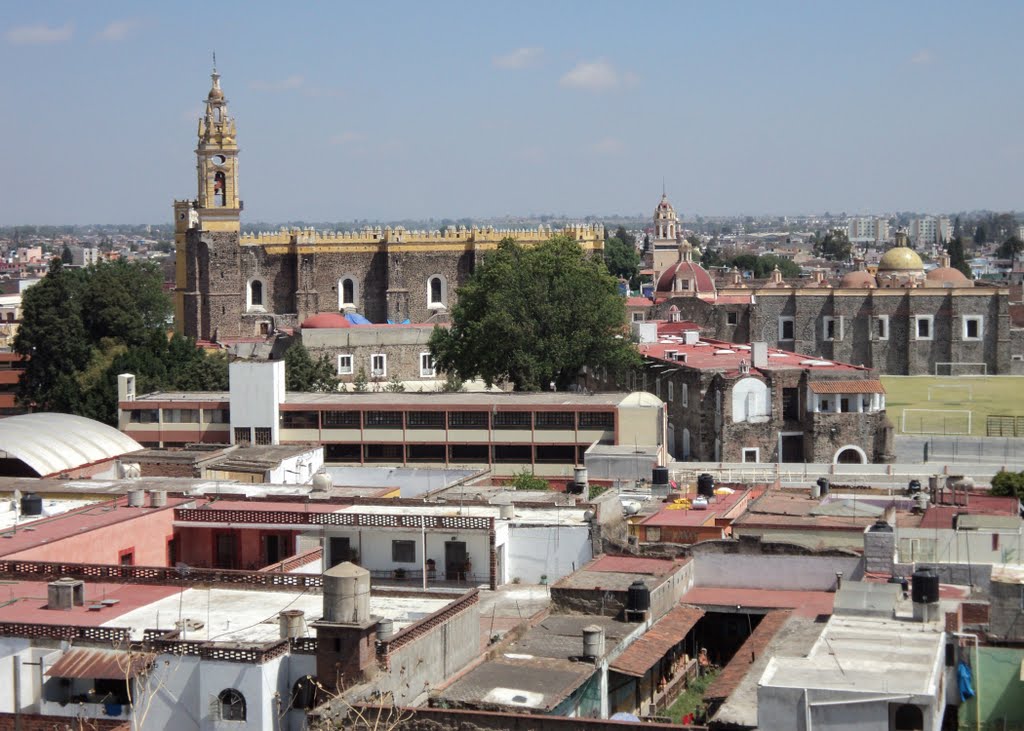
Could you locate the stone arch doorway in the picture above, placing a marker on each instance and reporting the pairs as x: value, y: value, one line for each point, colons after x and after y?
x: 850, y: 454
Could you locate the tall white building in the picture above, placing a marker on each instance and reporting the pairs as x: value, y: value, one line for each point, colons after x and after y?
x: 867, y: 230
x: 930, y: 230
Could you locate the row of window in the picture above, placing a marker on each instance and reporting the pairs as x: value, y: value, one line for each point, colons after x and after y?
x: 567, y: 420
x: 458, y: 453
x: 379, y: 365
x: 348, y: 293
x: 833, y: 327
x: 179, y: 416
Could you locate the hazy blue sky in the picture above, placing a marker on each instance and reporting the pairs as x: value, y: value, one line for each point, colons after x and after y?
x: 392, y: 110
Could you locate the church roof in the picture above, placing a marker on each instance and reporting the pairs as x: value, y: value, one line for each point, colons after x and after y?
x: 900, y: 258
x: 948, y: 275
x: 325, y: 320
x: 702, y: 282
x: 858, y: 280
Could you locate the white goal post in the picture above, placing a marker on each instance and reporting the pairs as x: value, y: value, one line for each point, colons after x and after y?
x: 936, y: 421
x: 967, y: 386
x: 949, y: 368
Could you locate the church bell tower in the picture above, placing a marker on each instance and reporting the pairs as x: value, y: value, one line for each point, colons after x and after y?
x: 218, y: 204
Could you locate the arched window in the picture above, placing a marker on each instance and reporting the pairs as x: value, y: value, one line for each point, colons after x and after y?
x: 219, y: 189
x: 232, y: 705
x: 751, y: 401
x: 437, y: 291
x: 255, y: 294
x: 216, y: 114
x: 348, y: 292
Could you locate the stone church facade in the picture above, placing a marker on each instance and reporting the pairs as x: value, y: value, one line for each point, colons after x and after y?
x: 232, y: 286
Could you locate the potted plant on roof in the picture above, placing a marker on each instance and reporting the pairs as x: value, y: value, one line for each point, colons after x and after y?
x: 431, y: 568
x: 399, y: 574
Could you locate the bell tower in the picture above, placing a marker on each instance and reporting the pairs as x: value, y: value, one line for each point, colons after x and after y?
x: 218, y: 204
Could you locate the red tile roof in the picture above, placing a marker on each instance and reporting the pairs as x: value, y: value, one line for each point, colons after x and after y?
x: 804, y: 603
x: 638, y: 302
x: 102, y: 664
x: 633, y: 565
x: 26, y: 602
x: 668, y: 516
x: 709, y: 354
x: 702, y: 282
x: 666, y: 633
x: 865, y: 386
x: 755, y: 645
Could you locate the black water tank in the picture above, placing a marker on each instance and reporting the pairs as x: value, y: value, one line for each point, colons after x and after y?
x: 880, y: 526
x: 31, y: 504
x: 824, y: 485
x: 638, y: 597
x: 924, y: 588
x: 706, y: 484
x: 659, y: 476
x: 914, y: 487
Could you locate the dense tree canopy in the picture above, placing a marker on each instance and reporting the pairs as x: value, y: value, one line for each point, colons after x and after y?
x: 82, y: 327
x: 957, y: 257
x: 834, y: 246
x: 303, y: 373
x: 530, y: 316
x: 762, y: 266
x: 1010, y: 248
x: 621, y: 256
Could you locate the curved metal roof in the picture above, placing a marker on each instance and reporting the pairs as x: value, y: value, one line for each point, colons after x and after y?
x: 52, y: 443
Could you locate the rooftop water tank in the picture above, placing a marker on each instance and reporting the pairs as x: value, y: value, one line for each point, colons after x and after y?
x: 638, y: 597
x: 659, y: 476
x: 823, y: 483
x: 924, y: 588
x: 31, y: 504
x: 706, y: 484
x: 593, y: 642
x: 322, y: 481
x: 880, y: 526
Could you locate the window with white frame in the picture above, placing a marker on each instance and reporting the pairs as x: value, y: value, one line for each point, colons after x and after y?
x: 638, y: 317
x: 348, y: 292
x: 378, y: 365
x: 426, y: 365
x: 880, y: 323
x: 974, y: 327
x: 751, y: 454
x: 345, y: 365
x: 924, y: 326
x: 437, y: 292
x: 787, y: 328
x: 254, y: 295
x: 684, y: 393
x: 832, y: 328
x: 670, y: 390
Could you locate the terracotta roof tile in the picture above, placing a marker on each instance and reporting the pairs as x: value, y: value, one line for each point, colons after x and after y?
x: 754, y: 646
x: 865, y: 386
x: 666, y: 633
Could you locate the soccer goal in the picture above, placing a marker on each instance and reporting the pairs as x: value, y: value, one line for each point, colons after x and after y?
x: 945, y: 368
x: 936, y: 421
x: 956, y: 391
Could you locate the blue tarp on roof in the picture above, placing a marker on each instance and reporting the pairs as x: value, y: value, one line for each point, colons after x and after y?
x: 356, y: 319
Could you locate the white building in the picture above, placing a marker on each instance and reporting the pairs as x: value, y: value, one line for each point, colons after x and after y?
x: 930, y: 231
x: 867, y: 230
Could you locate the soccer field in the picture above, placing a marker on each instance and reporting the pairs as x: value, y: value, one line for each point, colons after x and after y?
x: 937, y: 404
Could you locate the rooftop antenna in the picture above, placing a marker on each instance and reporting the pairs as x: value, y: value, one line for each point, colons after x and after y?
x: 662, y: 177
x: 214, y: 62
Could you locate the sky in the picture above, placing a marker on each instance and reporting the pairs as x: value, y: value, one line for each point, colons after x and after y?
x: 397, y: 110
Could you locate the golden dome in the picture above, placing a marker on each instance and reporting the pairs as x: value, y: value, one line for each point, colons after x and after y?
x: 900, y: 259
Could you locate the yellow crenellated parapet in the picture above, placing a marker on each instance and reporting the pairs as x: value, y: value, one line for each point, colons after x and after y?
x: 590, y: 235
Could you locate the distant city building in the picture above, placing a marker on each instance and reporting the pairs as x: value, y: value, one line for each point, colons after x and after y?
x: 930, y: 231
x: 867, y: 231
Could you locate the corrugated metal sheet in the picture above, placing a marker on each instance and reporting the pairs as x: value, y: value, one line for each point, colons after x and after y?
x: 666, y: 633
x: 104, y: 664
x: 867, y: 386
x: 55, y: 443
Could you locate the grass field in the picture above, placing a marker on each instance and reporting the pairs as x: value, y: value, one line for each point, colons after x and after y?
x: 986, y: 396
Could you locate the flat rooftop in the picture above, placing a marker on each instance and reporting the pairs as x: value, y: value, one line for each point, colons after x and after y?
x: 411, y: 401
x: 718, y: 355
x: 865, y: 655
x: 616, y: 573
x: 239, y: 615
x: 803, y: 603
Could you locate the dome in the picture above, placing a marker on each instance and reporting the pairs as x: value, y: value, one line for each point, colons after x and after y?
x: 702, y: 282
x: 858, y: 280
x: 948, y: 275
x: 900, y: 259
x: 664, y: 208
x: 325, y: 320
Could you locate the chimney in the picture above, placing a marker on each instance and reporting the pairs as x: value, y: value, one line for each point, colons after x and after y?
x: 65, y: 593
x: 879, y: 548
x: 759, y: 354
x: 126, y: 387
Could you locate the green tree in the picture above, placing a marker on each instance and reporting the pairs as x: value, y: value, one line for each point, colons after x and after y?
x: 526, y: 480
x: 1010, y: 248
x: 957, y: 258
x: 834, y: 246
x: 979, y: 235
x: 303, y: 373
x: 66, y: 256
x: 711, y: 257
x: 394, y: 385
x: 53, y: 339
x: 1008, y: 484
x: 622, y: 259
x: 126, y: 300
x: 360, y: 383
x: 531, y: 316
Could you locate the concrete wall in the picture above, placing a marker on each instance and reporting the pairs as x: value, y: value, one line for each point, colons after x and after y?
x: 434, y: 656
x: 949, y: 546
x: 786, y: 573
x: 999, y: 691
x: 257, y: 391
x: 1006, y: 612
x: 374, y: 547
x: 551, y: 551
x: 145, y: 531
x: 299, y: 469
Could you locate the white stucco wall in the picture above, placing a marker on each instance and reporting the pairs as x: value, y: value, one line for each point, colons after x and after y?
x: 256, y: 393
x: 298, y: 470
x: 374, y: 546
x: 787, y: 573
x: 552, y: 551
